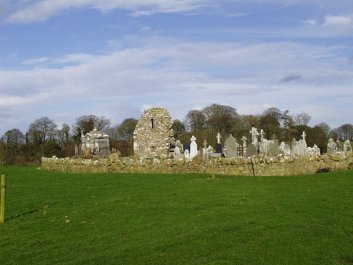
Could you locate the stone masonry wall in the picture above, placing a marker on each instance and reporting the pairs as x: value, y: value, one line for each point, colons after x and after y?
x: 153, y: 134
x: 259, y: 166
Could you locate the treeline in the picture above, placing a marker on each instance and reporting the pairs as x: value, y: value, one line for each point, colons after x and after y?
x: 45, y: 138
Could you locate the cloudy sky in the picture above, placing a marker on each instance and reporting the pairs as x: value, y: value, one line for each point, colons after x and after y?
x: 67, y: 58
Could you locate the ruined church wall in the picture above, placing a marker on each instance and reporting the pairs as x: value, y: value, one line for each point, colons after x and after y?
x: 244, y: 167
x: 153, y: 134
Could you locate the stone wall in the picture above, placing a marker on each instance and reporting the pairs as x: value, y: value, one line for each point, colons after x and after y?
x: 259, y: 166
x: 153, y: 134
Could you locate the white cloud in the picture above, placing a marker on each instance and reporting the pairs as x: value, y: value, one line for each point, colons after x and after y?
x: 32, y: 11
x: 338, y: 21
x: 179, y: 75
x: 310, y: 22
x: 42, y: 10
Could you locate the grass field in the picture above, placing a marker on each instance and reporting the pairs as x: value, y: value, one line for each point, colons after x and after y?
x: 55, y: 218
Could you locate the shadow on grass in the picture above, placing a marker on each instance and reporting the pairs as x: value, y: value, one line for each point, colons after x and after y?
x: 21, y: 214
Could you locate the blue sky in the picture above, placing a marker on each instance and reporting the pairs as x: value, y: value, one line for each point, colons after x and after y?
x: 64, y: 59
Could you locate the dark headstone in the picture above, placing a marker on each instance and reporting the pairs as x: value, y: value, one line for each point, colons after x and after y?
x: 218, y: 149
x: 186, y: 147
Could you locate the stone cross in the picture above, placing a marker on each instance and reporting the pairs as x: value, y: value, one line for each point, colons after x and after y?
x: 262, y: 134
x: 205, y: 144
x: 254, y: 135
x: 303, y: 135
x: 244, y: 139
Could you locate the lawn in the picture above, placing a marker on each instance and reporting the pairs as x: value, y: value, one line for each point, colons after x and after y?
x: 56, y: 218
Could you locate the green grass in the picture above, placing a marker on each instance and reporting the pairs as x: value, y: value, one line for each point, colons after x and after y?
x: 55, y: 218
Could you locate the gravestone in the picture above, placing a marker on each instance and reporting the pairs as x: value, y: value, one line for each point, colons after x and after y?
x: 193, y: 147
x: 273, y: 150
x: 317, y: 151
x: 254, y: 133
x: 347, y: 147
x: 331, y: 146
x: 186, y: 147
x: 218, y: 145
x: 218, y: 149
x: 286, y: 149
x: 205, y: 152
x: 179, y: 145
x: 244, y: 139
x: 178, y: 154
x: 230, y: 145
x: 251, y: 150
x: 186, y: 154
x: 294, y: 147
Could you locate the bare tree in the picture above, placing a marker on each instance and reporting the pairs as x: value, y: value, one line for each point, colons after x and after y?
x: 85, y: 124
x: 345, y: 131
x: 41, y: 130
x: 274, y: 113
x: 302, y: 118
x: 63, y: 134
x: 15, y: 137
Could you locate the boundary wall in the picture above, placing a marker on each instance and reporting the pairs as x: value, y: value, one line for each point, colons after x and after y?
x: 254, y: 166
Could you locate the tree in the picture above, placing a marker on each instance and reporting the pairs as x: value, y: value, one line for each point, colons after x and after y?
x: 85, y: 124
x: 250, y: 121
x: 345, y: 131
x: 317, y: 136
x: 124, y: 136
x: 287, y: 120
x: 302, y: 118
x: 195, y: 120
x: 63, y: 134
x: 126, y: 129
x: 42, y: 130
x: 270, y: 122
x: 220, y: 118
x: 14, y: 136
x: 274, y: 113
x: 324, y: 127
x: 14, y: 139
x: 178, y: 127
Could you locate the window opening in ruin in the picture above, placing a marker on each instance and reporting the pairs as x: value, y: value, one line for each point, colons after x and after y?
x: 152, y: 125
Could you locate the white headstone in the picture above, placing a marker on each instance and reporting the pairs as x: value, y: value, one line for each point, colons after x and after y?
x: 193, y: 147
x: 218, y: 138
x: 347, y: 147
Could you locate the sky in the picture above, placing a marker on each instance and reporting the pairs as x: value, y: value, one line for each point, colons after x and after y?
x: 67, y: 58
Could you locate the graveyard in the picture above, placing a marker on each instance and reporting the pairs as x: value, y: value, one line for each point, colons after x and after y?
x: 157, y: 151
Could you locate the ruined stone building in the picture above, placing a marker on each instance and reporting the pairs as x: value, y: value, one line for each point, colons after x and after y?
x: 153, y: 135
x: 95, y: 143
